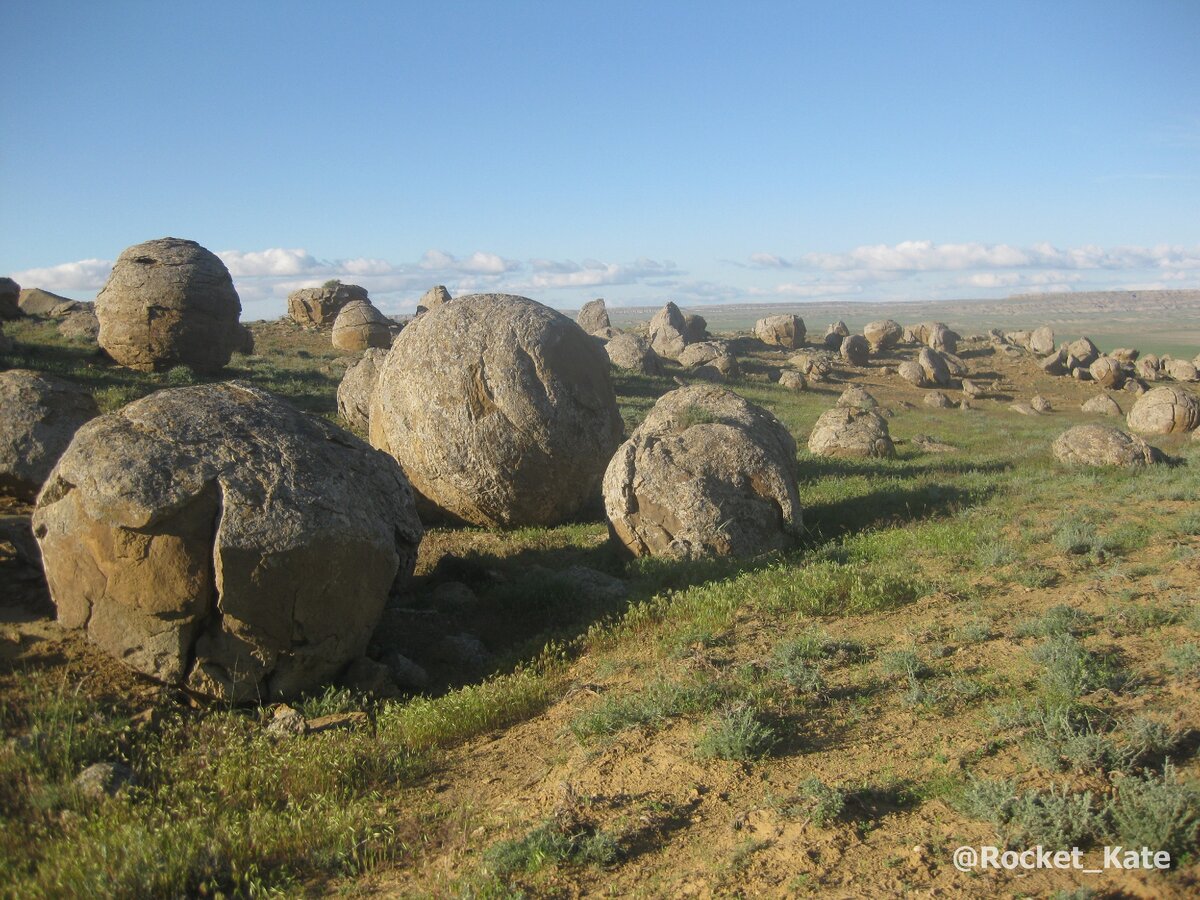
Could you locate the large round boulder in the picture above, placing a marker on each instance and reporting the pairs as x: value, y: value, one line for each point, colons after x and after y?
x: 855, y: 350
x: 360, y: 326
x: 1041, y: 341
x: 668, y: 332
x: 707, y: 473
x: 934, y: 365
x: 216, y: 537
x: 785, y: 331
x: 1107, y: 372
x: 631, y: 352
x: 357, y: 385
x: 593, y: 318
x: 169, y: 302
x: 40, y: 415
x: 1102, y: 405
x: 883, y: 334
x: 1081, y: 353
x: 912, y: 372
x: 80, y: 324
x: 500, y: 410
x: 10, y: 299
x: 1103, y: 445
x: 710, y: 359
x: 813, y: 366
x: 847, y: 431
x: 1180, y: 370
x: 1164, y: 410
x: 318, y: 307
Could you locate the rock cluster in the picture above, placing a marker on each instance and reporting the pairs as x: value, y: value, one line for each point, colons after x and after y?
x: 318, y: 307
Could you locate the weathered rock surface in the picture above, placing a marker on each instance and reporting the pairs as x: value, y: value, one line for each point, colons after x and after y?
x: 318, y: 307
x: 1181, y: 370
x: 912, y: 372
x: 216, y: 537
x: 432, y: 298
x: 1041, y: 341
x: 883, y: 334
x: 1081, y: 353
x: 834, y: 334
x: 36, y: 302
x: 1127, y: 355
x: 1102, y: 405
x: 709, y: 358
x: 10, y: 299
x: 851, y: 432
x: 632, y: 352
x: 706, y: 474
x: 792, y: 381
x: 1164, y: 410
x: 500, y: 410
x: 1107, y: 372
x: 1103, y: 445
x: 169, y: 302
x: 356, y: 388
x: 857, y: 397
x: 813, y: 366
x: 360, y: 326
x: 856, y: 350
x: 1040, y: 404
x: 695, y: 327
x: 938, y: 400
x: 668, y: 332
x: 593, y: 318
x: 81, y: 324
x: 781, y: 331
x: 40, y: 415
x: 934, y: 366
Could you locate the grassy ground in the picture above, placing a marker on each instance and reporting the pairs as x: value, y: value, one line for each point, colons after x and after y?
x: 970, y: 648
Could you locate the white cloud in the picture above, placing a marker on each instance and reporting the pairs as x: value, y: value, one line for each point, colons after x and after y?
x: 478, y: 263
x: 550, y: 274
x: 86, y: 275
x: 275, y: 261
x: 769, y: 261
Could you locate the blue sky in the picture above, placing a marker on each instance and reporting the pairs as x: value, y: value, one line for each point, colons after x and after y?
x: 702, y: 152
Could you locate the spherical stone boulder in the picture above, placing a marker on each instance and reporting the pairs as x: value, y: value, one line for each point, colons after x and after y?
x: 593, y: 318
x: 432, y: 298
x: 938, y: 400
x: 834, y: 334
x: 10, y: 299
x: 1181, y: 370
x: 1164, y: 410
x: 857, y: 397
x: 216, y: 537
x: 855, y: 350
x: 695, y: 327
x: 1040, y: 404
x: 668, y: 332
x: 169, y: 302
x: 81, y: 325
x: 1019, y: 339
x: 912, y: 372
x: 813, y: 366
x: 707, y: 473
x: 356, y: 387
x: 318, y: 307
x: 943, y: 339
x: 1103, y: 445
x: 1041, y: 341
x: 883, y: 334
x: 851, y: 432
x: 360, y: 326
x: 1102, y: 405
x: 500, y: 410
x: 1128, y: 355
x: 934, y: 366
x: 1147, y: 368
x: 633, y: 353
x: 781, y: 331
x: 710, y: 359
x: 1083, y: 351
x: 1107, y: 372
x: 40, y: 415
x: 1055, y: 363
x: 792, y: 381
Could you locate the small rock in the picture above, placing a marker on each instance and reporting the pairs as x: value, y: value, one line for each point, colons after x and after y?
x: 104, y: 779
x: 938, y: 400
x: 1040, y: 404
x: 285, y: 721
x: 337, y: 721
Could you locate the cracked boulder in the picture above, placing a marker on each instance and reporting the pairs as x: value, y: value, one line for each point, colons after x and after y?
x: 360, y: 326
x: 318, y: 307
x: 785, y: 331
x: 500, y: 410
x: 1164, y: 410
x: 1103, y: 445
x: 357, y: 385
x: 217, y: 538
x: 169, y: 302
x: 41, y: 413
x: 847, y: 431
x: 707, y: 473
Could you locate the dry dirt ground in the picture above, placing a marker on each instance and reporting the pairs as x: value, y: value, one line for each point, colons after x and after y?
x: 710, y: 827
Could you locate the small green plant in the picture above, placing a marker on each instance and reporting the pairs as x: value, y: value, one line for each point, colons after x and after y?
x: 181, y: 376
x: 1157, y: 811
x: 975, y: 632
x: 822, y: 804
x: 1071, y: 671
x: 1056, y: 819
x: 905, y: 663
x: 1185, y: 658
x: 1036, y: 576
x: 1060, y: 619
x: 737, y: 734
x: 657, y: 702
x: 552, y: 843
